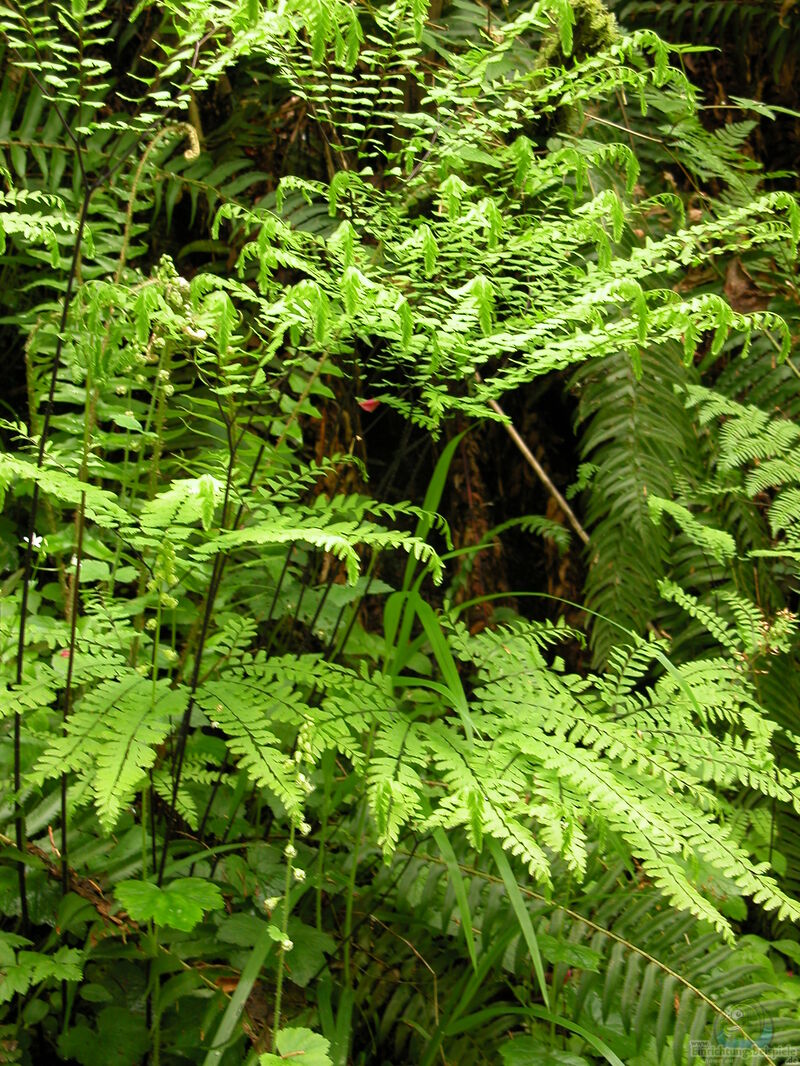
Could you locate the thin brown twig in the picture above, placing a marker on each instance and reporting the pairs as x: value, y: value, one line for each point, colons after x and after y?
x: 538, y: 469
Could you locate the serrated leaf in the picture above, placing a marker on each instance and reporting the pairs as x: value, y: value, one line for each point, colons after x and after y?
x: 299, y: 1046
x: 181, y: 905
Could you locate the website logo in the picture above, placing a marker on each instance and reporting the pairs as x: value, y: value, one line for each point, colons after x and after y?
x: 751, y: 1018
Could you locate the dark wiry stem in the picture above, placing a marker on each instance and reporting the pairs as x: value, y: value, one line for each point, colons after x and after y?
x: 19, y: 818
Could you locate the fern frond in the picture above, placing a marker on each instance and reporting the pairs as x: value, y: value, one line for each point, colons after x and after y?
x: 112, y: 738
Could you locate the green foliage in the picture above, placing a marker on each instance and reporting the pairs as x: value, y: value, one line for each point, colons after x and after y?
x: 23, y: 968
x: 238, y: 695
x: 731, y: 22
x: 299, y: 1044
x: 181, y: 905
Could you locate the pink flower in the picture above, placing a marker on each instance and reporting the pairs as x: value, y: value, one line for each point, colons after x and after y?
x: 64, y: 653
x: 368, y: 405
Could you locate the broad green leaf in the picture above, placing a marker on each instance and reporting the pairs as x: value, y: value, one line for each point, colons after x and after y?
x: 532, y: 1051
x: 181, y: 905
x: 121, y: 1039
x: 299, y: 1046
x: 566, y: 951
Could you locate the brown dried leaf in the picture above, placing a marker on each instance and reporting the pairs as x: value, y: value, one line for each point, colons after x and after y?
x: 741, y: 291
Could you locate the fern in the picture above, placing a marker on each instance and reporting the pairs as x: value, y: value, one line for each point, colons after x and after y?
x: 217, y: 641
x: 733, y: 20
x: 112, y: 738
x: 608, y: 967
x: 636, y: 434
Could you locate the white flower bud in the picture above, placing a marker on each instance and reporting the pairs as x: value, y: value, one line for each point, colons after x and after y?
x: 287, y: 944
x: 299, y: 875
x: 290, y: 851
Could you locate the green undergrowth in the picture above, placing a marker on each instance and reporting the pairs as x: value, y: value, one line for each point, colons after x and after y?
x: 272, y: 797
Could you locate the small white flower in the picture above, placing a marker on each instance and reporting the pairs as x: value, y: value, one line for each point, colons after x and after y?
x: 290, y: 851
x: 36, y: 540
x: 170, y: 654
x: 272, y: 903
x: 168, y: 601
x: 304, y: 828
x: 150, y: 624
x: 287, y: 944
x: 299, y: 875
x: 73, y: 561
x: 121, y: 390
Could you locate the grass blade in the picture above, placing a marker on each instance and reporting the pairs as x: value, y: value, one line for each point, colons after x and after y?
x: 457, y: 879
x: 522, y: 915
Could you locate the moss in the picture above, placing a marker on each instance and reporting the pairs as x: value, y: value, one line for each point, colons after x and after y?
x: 595, y: 29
